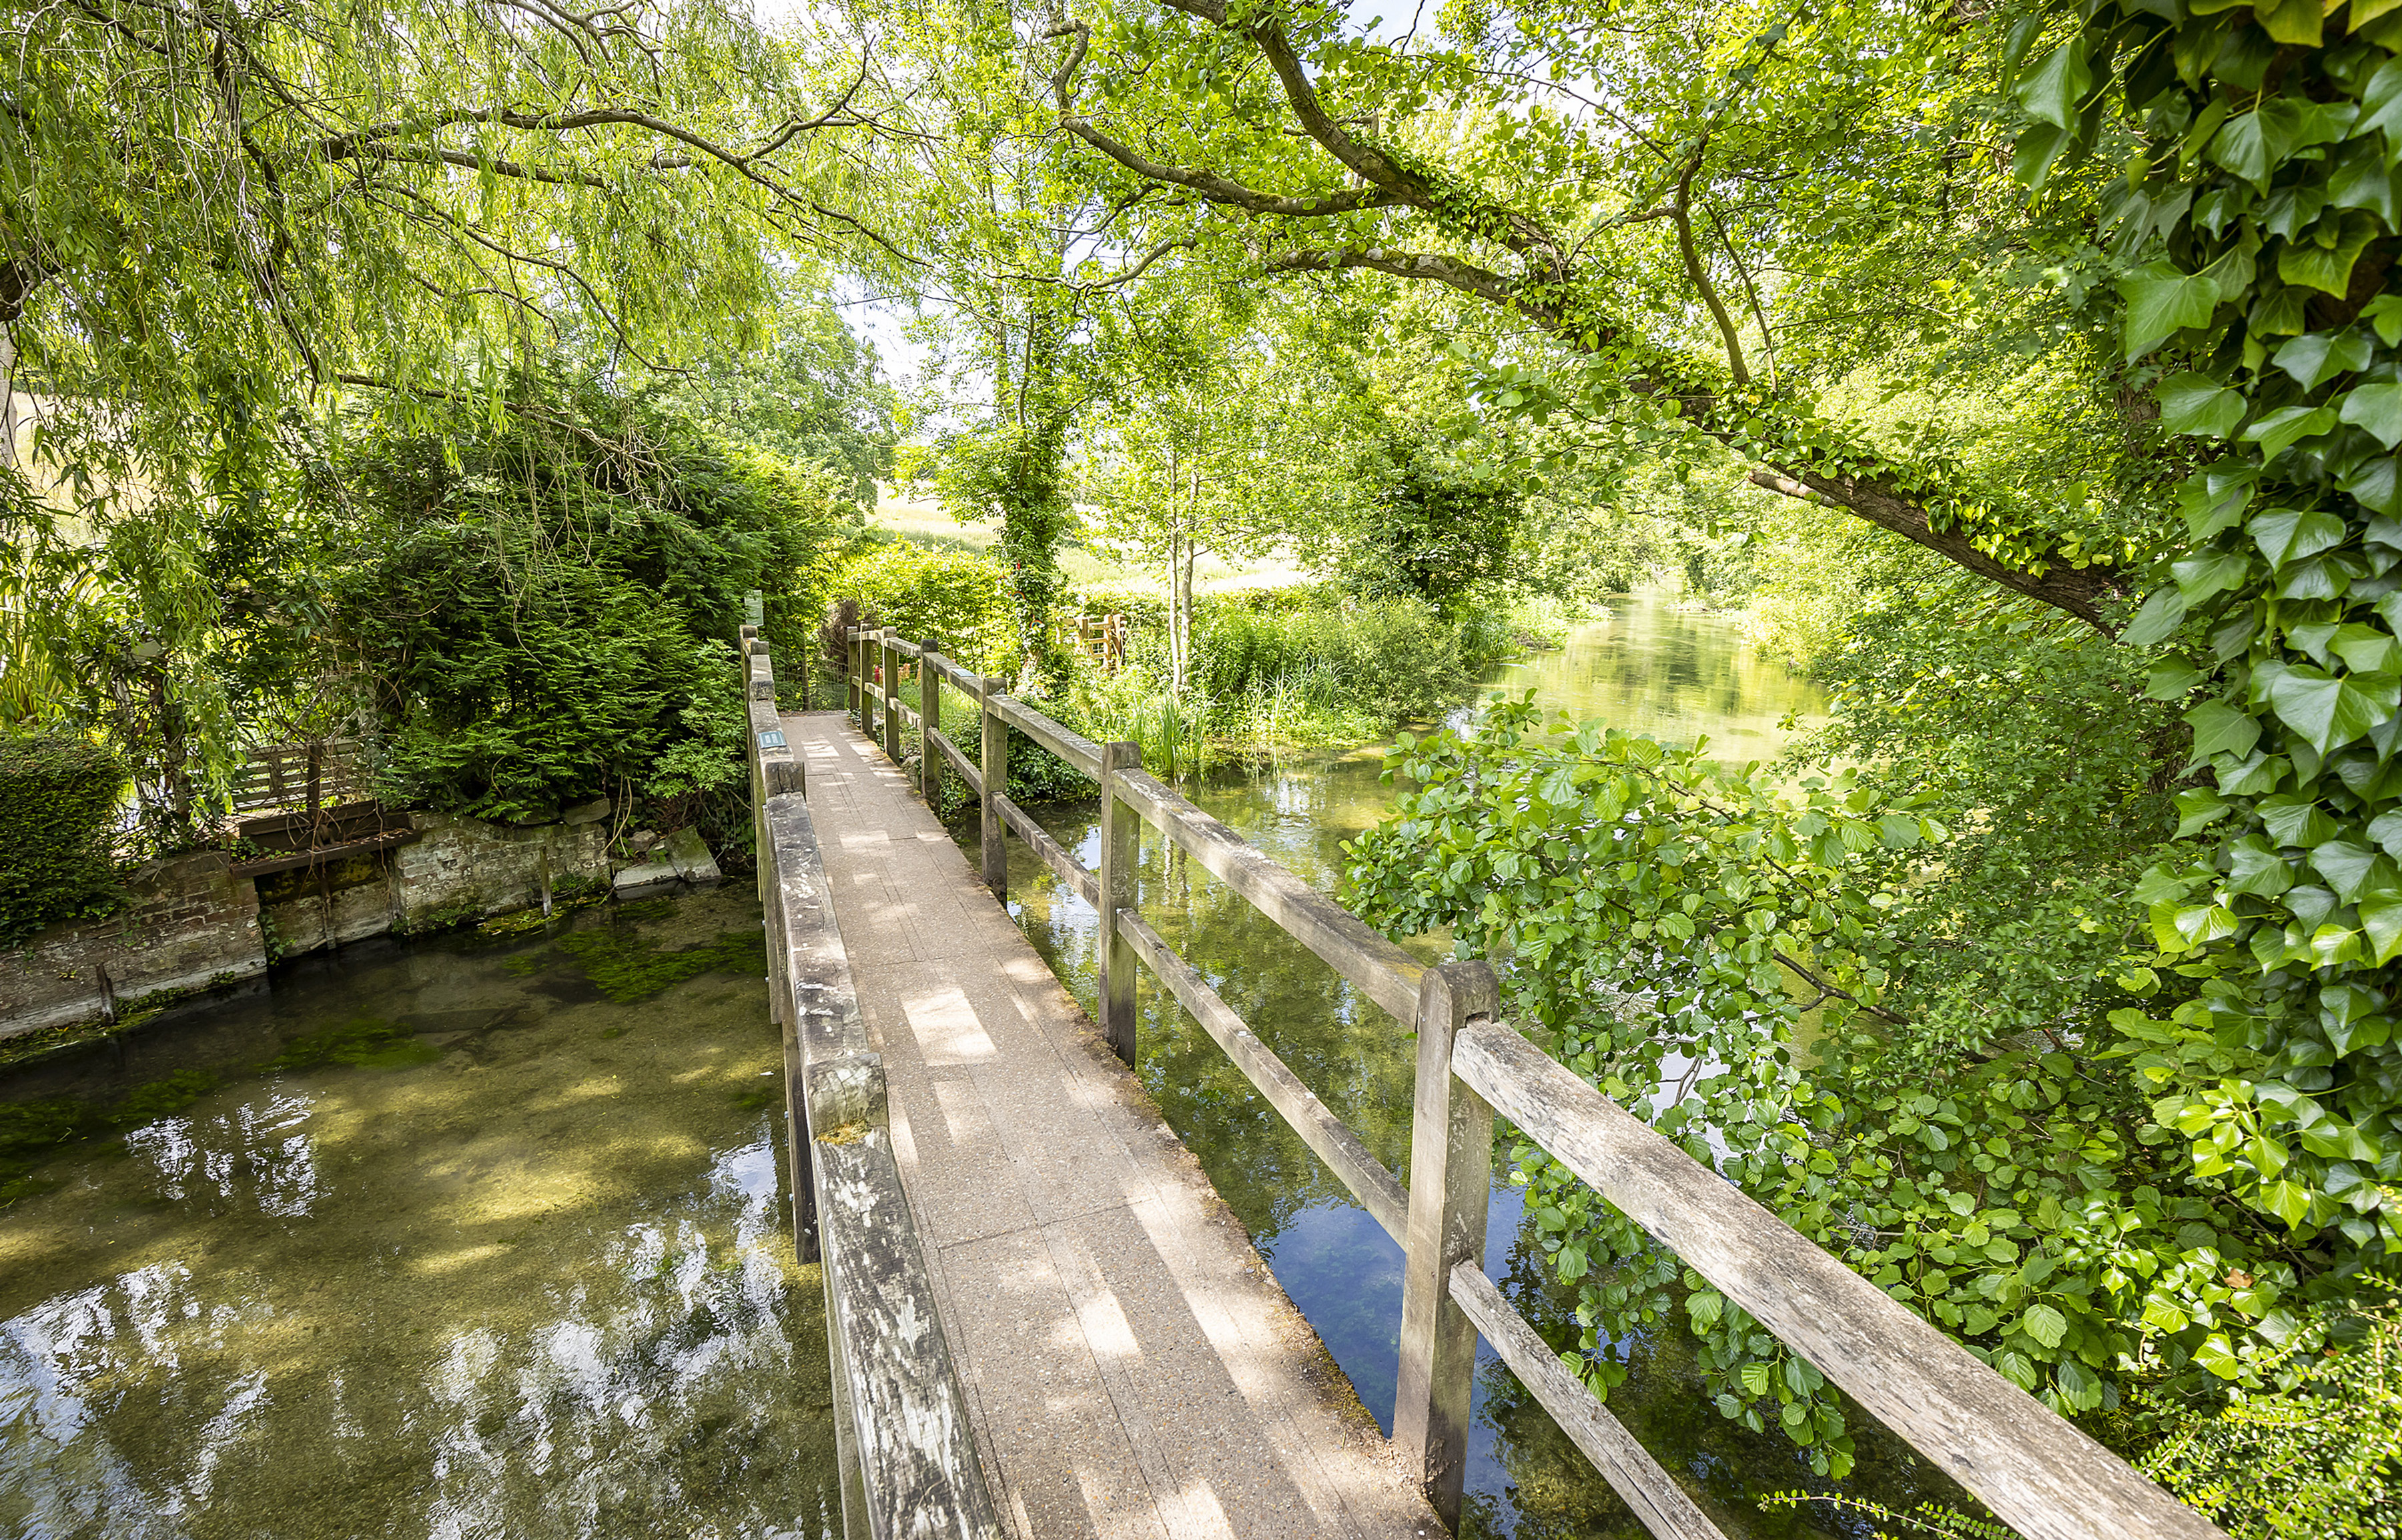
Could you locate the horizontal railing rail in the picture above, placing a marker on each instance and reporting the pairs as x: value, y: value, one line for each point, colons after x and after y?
x: 2027, y: 1463
x: 903, y: 1441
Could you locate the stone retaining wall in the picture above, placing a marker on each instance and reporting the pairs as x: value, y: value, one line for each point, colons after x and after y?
x: 189, y: 924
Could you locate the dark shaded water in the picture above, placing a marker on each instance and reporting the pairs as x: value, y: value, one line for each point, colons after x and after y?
x: 1652, y: 669
x: 486, y: 1252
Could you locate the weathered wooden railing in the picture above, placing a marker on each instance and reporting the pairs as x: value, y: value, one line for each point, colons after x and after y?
x: 907, y: 1455
x: 2034, y: 1469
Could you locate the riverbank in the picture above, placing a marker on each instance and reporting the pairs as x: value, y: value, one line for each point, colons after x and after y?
x: 202, y: 921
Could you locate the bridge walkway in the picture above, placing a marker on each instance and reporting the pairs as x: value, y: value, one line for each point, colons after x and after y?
x: 1131, y: 1366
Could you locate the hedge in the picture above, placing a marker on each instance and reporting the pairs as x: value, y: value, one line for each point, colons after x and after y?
x: 59, y: 794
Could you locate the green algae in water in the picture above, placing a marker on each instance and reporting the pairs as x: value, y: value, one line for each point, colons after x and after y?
x: 366, y: 1042
x: 163, y: 1098
x: 630, y: 968
x: 31, y: 1133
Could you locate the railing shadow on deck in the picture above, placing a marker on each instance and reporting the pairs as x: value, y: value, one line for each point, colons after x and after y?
x: 2032, y: 1468
x: 904, y: 1448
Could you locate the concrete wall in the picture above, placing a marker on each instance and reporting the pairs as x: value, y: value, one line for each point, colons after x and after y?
x: 188, y: 923
x: 463, y: 869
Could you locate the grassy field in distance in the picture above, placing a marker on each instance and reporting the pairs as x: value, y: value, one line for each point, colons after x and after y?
x: 921, y: 521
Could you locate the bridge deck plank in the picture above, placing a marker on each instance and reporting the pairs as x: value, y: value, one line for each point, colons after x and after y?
x: 1131, y: 1366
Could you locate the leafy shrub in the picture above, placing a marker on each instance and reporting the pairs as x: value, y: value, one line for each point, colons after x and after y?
x: 1993, y: 1170
x: 57, y: 795
x: 2321, y: 1457
x: 955, y: 597
x: 1437, y: 533
x: 547, y: 614
x: 511, y: 705
x: 1395, y: 659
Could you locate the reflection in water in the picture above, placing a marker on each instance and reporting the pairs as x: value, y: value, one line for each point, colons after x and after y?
x: 539, y: 1285
x: 1652, y: 669
x: 1675, y: 674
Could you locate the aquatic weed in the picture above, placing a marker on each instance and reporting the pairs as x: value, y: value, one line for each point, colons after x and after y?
x: 629, y: 968
x: 366, y: 1042
x: 162, y: 1098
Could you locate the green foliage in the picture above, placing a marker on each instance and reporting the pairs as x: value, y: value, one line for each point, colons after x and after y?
x: 955, y: 597
x: 1019, y: 473
x: 1284, y: 667
x: 1818, y: 991
x: 2318, y: 1456
x: 1928, y: 1519
x: 811, y: 395
x: 2252, y: 232
x: 1392, y: 660
x: 59, y: 798
x: 220, y: 225
x: 1439, y: 533
x: 544, y: 611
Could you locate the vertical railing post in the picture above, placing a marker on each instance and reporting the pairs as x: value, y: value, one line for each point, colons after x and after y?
x: 1119, y: 828
x: 854, y: 699
x: 1451, y: 1177
x: 929, y: 720
x: 891, y: 695
x: 995, y: 770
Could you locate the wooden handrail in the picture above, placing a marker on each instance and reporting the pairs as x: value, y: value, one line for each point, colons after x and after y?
x: 1382, y: 971
x: 903, y: 1441
x: 1085, y: 885
x: 1379, y: 1192
x: 959, y: 761
x: 2024, y: 1462
x: 1615, y: 1452
x: 1077, y: 749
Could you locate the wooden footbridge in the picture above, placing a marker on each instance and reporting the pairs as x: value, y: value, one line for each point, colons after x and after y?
x: 1043, y: 1320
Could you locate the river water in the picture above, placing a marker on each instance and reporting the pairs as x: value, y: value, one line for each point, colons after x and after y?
x: 474, y: 1236
x: 480, y: 1234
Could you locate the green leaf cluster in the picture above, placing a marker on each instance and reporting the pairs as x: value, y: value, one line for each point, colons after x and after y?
x: 542, y: 615
x: 1776, y: 979
x: 2257, y: 224
x: 60, y: 796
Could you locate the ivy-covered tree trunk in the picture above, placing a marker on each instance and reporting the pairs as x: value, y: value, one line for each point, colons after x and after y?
x: 1031, y: 493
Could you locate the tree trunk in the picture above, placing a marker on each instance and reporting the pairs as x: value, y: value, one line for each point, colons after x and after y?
x: 7, y: 395
x: 1178, y: 620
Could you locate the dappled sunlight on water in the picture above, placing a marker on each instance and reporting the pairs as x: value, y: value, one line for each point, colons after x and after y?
x: 536, y: 1280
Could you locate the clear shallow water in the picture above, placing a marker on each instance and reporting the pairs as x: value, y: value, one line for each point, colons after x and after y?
x: 1650, y: 668
x: 521, y: 1267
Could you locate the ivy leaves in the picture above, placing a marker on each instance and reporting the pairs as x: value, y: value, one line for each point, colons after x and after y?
x: 2250, y: 276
